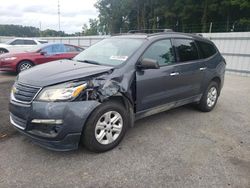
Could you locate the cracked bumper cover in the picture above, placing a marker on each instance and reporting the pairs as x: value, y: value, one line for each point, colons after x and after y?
x: 63, y: 137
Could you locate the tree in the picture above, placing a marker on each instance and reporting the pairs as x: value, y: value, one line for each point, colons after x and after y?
x: 180, y: 15
x: 93, y: 28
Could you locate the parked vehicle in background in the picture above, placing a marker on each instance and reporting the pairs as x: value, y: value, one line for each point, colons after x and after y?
x: 17, y: 62
x: 18, y: 44
x: 93, y: 98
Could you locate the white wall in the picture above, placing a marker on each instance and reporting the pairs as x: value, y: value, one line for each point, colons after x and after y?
x: 235, y: 47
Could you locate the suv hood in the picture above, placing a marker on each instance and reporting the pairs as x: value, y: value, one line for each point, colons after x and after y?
x: 59, y: 71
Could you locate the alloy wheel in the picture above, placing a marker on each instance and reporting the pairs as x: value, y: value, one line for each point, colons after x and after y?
x: 212, y: 96
x: 108, y: 127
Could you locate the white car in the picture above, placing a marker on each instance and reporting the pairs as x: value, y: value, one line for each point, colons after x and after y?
x: 19, y: 44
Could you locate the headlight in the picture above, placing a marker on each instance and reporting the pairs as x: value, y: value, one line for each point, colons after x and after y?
x: 61, y: 92
x: 9, y: 58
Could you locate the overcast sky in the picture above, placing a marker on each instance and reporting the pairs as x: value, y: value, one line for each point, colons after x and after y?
x: 74, y: 13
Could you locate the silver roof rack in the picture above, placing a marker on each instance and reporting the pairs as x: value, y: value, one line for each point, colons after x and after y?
x: 150, y: 31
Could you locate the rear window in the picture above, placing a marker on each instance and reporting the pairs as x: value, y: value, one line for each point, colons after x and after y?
x: 207, y: 50
x: 186, y: 50
x: 43, y: 42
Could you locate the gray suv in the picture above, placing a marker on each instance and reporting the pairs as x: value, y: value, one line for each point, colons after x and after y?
x: 93, y: 98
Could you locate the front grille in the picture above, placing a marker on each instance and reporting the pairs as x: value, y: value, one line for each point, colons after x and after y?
x: 24, y: 93
x: 18, y: 122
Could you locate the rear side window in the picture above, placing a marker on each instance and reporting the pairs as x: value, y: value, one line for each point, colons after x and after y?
x: 162, y: 51
x: 29, y: 42
x: 42, y: 41
x: 186, y: 50
x: 207, y: 50
x: 72, y: 48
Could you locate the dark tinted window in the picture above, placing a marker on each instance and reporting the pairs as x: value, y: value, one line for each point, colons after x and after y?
x: 23, y: 42
x: 162, y: 51
x: 206, y: 49
x: 186, y: 50
x: 29, y: 42
x: 43, y: 42
x: 17, y: 42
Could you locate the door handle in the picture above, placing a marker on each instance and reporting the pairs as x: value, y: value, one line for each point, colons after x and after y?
x: 203, y: 68
x: 174, y: 74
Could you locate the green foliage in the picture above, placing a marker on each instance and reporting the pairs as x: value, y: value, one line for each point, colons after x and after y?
x: 93, y: 28
x: 52, y: 33
x: 180, y: 15
x: 19, y: 31
x: 27, y: 31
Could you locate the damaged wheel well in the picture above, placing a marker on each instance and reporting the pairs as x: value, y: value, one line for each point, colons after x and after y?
x: 128, y: 106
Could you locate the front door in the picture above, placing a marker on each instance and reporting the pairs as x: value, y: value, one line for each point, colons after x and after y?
x: 155, y: 87
x: 176, y: 80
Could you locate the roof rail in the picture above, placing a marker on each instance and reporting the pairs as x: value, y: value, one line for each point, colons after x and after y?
x: 198, y: 34
x: 149, y: 31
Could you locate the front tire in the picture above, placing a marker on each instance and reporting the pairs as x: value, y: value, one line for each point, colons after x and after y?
x: 24, y: 65
x: 209, y: 97
x: 105, y: 127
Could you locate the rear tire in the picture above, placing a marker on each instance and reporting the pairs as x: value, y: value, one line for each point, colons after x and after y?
x: 209, y: 97
x: 106, y: 127
x: 24, y: 65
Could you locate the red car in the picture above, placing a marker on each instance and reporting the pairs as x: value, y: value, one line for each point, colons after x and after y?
x: 17, y: 62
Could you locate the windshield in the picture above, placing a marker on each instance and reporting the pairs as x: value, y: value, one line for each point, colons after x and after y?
x: 112, y: 51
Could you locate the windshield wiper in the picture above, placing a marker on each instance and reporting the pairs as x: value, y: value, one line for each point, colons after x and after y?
x: 89, y: 61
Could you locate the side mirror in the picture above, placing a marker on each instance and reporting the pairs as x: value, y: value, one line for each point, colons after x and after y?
x: 148, y: 64
x: 43, y: 53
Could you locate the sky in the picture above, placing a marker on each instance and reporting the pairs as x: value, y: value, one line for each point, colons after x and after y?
x: 74, y: 13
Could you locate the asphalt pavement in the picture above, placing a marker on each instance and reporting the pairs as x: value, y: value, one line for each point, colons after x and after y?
x: 178, y: 148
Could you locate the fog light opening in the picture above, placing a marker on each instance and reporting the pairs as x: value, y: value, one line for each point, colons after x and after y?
x: 48, y: 121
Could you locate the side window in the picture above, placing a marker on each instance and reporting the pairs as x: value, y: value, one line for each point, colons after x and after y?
x: 79, y: 49
x: 17, y: 42
x: 186, y: 50
x: 162, y: 51
x: 207, y: 50
x: 42, y: 42
x: 71, y: 48
x: 58, y: 48
x: 54, y: 49
x: 29, y: 42
x: 48, y: 50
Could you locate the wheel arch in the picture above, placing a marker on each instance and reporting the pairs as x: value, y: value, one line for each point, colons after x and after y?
x: 127, y: 103
x: 2, y: 48
x: 217, y: 80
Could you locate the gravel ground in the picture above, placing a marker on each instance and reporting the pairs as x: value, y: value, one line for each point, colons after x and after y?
x: 179, y: 148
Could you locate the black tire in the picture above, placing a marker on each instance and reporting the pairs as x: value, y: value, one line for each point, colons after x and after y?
x: 88, y: 136
x: 3, y: 50
x: 21, y: 65
x: 203, y: 104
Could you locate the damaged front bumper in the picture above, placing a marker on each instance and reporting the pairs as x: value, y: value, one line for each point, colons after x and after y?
x: 53, y: 125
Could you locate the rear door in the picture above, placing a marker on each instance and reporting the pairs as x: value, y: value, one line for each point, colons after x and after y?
x: 71, y: 51
x: 189, y: 68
